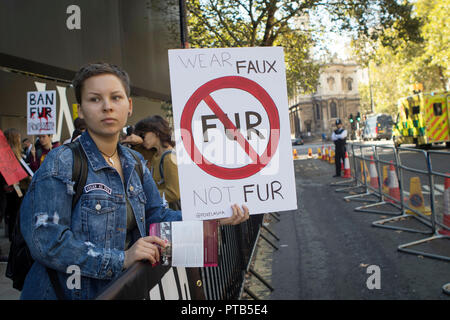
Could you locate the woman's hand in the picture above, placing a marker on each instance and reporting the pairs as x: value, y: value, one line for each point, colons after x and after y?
x: 146, y: 248
x: 133, y: 139
x: 237, y: 217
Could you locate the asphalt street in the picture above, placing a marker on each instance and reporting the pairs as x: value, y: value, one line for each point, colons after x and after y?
x: 329, y: 251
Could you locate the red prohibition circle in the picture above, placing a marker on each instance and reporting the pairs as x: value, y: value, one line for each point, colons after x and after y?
x: 230, y: 82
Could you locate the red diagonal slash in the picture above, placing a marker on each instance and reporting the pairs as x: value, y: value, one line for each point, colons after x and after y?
x: 232, y: 128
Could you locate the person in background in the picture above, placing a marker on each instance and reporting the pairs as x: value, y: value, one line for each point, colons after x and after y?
x: 27, y: 146
x: 155, y: 134
x: 80, y: 127
x: 339, y: 137
x: 13, y: 201
x: 39, y: 152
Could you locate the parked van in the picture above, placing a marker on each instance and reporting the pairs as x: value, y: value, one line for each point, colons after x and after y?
x: 377, y: 127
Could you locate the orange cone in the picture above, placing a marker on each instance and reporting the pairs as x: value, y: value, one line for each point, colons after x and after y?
x: 394, y: 189
x: 331, y: 156
x: 324, y: 156
x: 446, y: 213
x: 373, y: 174
x: 319, y: 153
x: 416, y: 199
x: 347, y: 171
x: 294, y: 154
x: 309, y: 153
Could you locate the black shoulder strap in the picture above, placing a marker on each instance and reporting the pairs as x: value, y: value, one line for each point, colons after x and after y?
x: 161, y: 165
x: 79, y: 170
x: 138, y: 167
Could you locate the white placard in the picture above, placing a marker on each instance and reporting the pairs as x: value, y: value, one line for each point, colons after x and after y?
x: 41, y: 112
x: 187, y: 244
x: 231, y: 121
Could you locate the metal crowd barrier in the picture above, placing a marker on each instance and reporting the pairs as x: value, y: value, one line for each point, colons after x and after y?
x: 224, y: 282
x: 403, y: 207
x: 413, y: 212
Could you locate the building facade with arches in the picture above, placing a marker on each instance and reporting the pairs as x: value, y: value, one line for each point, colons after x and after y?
x: 337, y: 96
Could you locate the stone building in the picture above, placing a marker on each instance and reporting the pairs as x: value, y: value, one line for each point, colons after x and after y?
x: 337, y: 96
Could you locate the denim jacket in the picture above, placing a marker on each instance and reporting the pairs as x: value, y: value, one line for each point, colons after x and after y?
x: 91, y: 238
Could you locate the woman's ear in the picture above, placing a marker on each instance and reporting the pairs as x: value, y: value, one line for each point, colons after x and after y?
x: 130, y: 109
x: 80, y: 111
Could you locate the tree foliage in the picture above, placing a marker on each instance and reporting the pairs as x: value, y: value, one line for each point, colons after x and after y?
x: 249, y: 23
x: 394, y: 68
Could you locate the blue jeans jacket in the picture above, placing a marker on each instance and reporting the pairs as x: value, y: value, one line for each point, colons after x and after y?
x: 92, y: 236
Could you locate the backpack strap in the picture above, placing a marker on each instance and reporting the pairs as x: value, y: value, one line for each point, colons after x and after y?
x: 79, y: 170
x: 161, y: 165
x: 138, y: 167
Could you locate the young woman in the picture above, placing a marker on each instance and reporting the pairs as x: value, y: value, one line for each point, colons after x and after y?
x: 155, y: 134
x: 107, y: 230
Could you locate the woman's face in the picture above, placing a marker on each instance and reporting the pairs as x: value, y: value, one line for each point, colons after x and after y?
x: 104, y: 105
x: 150, y: 140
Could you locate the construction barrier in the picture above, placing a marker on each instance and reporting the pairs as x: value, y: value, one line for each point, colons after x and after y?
x: 225, y: 282
x: 389, y: 197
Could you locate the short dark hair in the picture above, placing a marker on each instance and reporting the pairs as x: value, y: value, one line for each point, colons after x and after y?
x: 159, y: 126
x: 79, y: 124
x: 95, y: 69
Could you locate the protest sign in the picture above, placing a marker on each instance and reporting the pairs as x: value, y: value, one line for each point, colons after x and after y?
x: 9, y: 165
x: 41, y: 112
x: 232, y: 131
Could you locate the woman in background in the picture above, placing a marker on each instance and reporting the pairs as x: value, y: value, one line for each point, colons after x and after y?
x: 13, y: 201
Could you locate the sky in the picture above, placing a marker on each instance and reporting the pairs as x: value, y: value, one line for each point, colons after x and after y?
x: 329, y: 39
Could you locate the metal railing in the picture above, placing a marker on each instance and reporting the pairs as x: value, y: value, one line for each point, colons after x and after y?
x: 408, y: 205
x: 224, y: 282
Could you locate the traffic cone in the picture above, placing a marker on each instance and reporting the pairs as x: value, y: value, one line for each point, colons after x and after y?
x: 394, y: 189
x: 373, y: 174
x: 326, y: 155
x: 446, y: 213
x: 309, y: 153
x: 331, y: 156
x: 294, y: 154
x: 347, y: 170
x: 416, y: 200
x: 319, y: 153
x: 385, y: 180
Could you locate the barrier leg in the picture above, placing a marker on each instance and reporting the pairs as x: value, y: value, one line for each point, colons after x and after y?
x: 253, y: 272
x: 268, y: 241
x: 368, y: 209
x: 270, y: 232
x: 275, y: 217
x: 357, y: 197
x: 382, y: 224
x: 405, y: 248
x: 251, y: 294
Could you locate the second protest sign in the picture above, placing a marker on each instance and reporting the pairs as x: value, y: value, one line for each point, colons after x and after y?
x: 232, y: 130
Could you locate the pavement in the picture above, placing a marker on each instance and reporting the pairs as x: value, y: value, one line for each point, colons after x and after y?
x: 7, y: 292
x: 328, y: 251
